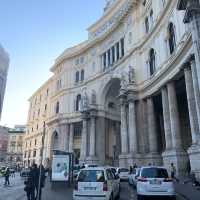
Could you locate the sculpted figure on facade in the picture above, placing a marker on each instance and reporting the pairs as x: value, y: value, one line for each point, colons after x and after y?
x: 93, y: 97
x: 124, y: 81
x: 131, y: 75
x: 84, y: 100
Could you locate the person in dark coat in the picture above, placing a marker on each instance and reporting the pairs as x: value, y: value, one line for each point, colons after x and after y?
x: 42, y: 181
x: 7, y: 175
x: 34, y: 175
x: 29, y: 188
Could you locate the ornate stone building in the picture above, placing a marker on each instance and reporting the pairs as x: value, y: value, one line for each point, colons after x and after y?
x: 15, y: 145
x: 130, y: 92
x: 4, y: 63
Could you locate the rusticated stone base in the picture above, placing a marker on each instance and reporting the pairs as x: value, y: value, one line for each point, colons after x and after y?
x: 180, y: 159
x: 92, y: 160
x: 124, y: 160
x: 153, y: 158
x: 194, y: 155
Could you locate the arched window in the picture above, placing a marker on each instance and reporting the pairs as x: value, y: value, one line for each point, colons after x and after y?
x: 172, y: 39
x: 147, y: 24
x: 57, y: 107
x: 152, y: 61
x: 77, y: 76
x: 82, y: 74
x: 78, y: 102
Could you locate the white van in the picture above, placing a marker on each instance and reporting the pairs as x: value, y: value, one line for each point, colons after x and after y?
x: 154, y: 181
x: 96, y: 183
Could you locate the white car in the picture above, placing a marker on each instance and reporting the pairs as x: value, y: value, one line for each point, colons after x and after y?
x: 132, y: 179
x: 96, y: 183
x: 154, y: 181
x: 123, y: 173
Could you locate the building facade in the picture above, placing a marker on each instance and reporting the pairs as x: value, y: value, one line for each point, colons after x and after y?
x: 15, y: 145
x: 130, y: 92
x: 3, y: 144
x: 4, y: 63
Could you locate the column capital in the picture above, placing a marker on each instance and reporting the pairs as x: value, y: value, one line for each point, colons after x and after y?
x: 93, y: 113
x: 85, y: 115
x: 187, y: 66
x: 192, y: 58
x: 131, y: 96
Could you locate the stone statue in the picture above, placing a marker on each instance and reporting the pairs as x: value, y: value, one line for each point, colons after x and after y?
x: 131, y: 75
x: 84, y: 100
x: 123, y: 83
x: 93, y: 97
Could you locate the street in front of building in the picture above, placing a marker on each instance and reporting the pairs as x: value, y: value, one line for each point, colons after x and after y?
x: 61, y: 192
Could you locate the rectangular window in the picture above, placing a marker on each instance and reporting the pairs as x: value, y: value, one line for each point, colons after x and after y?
x: 104, y: 60
x: 122, y: 47
x: 109, y: 63
x: 113, y: 54
x: 117, y: 50
x: 34, y: 153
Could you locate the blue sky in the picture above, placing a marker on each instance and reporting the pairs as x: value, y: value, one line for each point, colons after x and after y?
x: 34, y: 33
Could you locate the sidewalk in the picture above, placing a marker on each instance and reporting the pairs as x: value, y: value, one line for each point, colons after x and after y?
x: 188, y: 191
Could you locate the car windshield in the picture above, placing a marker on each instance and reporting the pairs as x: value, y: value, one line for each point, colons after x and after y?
x: 123, y: 170
x: 154, y: 173
x: 91, y: 176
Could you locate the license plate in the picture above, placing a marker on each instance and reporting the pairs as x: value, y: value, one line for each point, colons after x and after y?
x: 155, y: 182
x: 90, y: 188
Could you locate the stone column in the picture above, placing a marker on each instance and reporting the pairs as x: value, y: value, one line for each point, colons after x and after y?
x: 115, y: 52
x: 120, y: 49
x: 84, y: 138
x: 195, y: 23
x: 65, y: 137
x: 191, y: 105
x: 166, y: 117
x: 174, y: 116
x: 196, y: 87
x: 92, y: 137
x: 124, y: 138
x: 71, y: 135
x: 153, y: 142
x: 107, y: 59
x: 132, y: 125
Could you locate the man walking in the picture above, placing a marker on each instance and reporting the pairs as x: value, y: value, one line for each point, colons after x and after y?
x: 7, y: 175
x: 173, y: 172
x: 34, y: 176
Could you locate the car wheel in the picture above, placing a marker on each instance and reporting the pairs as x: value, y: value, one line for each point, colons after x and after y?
x: 173, y: 198
x: 140, y: 197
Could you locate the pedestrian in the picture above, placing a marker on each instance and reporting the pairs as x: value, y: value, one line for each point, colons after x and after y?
x: 34, y: 175
x: 173, y: 172
x: 41, y: 183
x: 7, y: 175
x: 131, y: 170
x: 29, y: 188
x: 135, y: 166
x: 83, y: 166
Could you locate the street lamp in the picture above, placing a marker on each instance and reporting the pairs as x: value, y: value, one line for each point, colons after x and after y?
x: 41, y: 159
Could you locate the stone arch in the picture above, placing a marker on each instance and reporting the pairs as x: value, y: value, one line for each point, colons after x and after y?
x: 110, y: 102
x: 55, y: 140
x: 105, y: 87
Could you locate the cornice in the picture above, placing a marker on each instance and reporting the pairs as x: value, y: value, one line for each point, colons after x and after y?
x: 84, y: 46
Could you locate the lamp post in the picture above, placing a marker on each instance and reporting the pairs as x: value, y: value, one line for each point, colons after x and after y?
x: 41, y: 159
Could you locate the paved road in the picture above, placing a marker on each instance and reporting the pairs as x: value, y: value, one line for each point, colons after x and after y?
x: 13, y: 192
x: 60, y: 192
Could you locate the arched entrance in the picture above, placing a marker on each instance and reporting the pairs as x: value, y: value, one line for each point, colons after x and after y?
x: 112, y: 121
